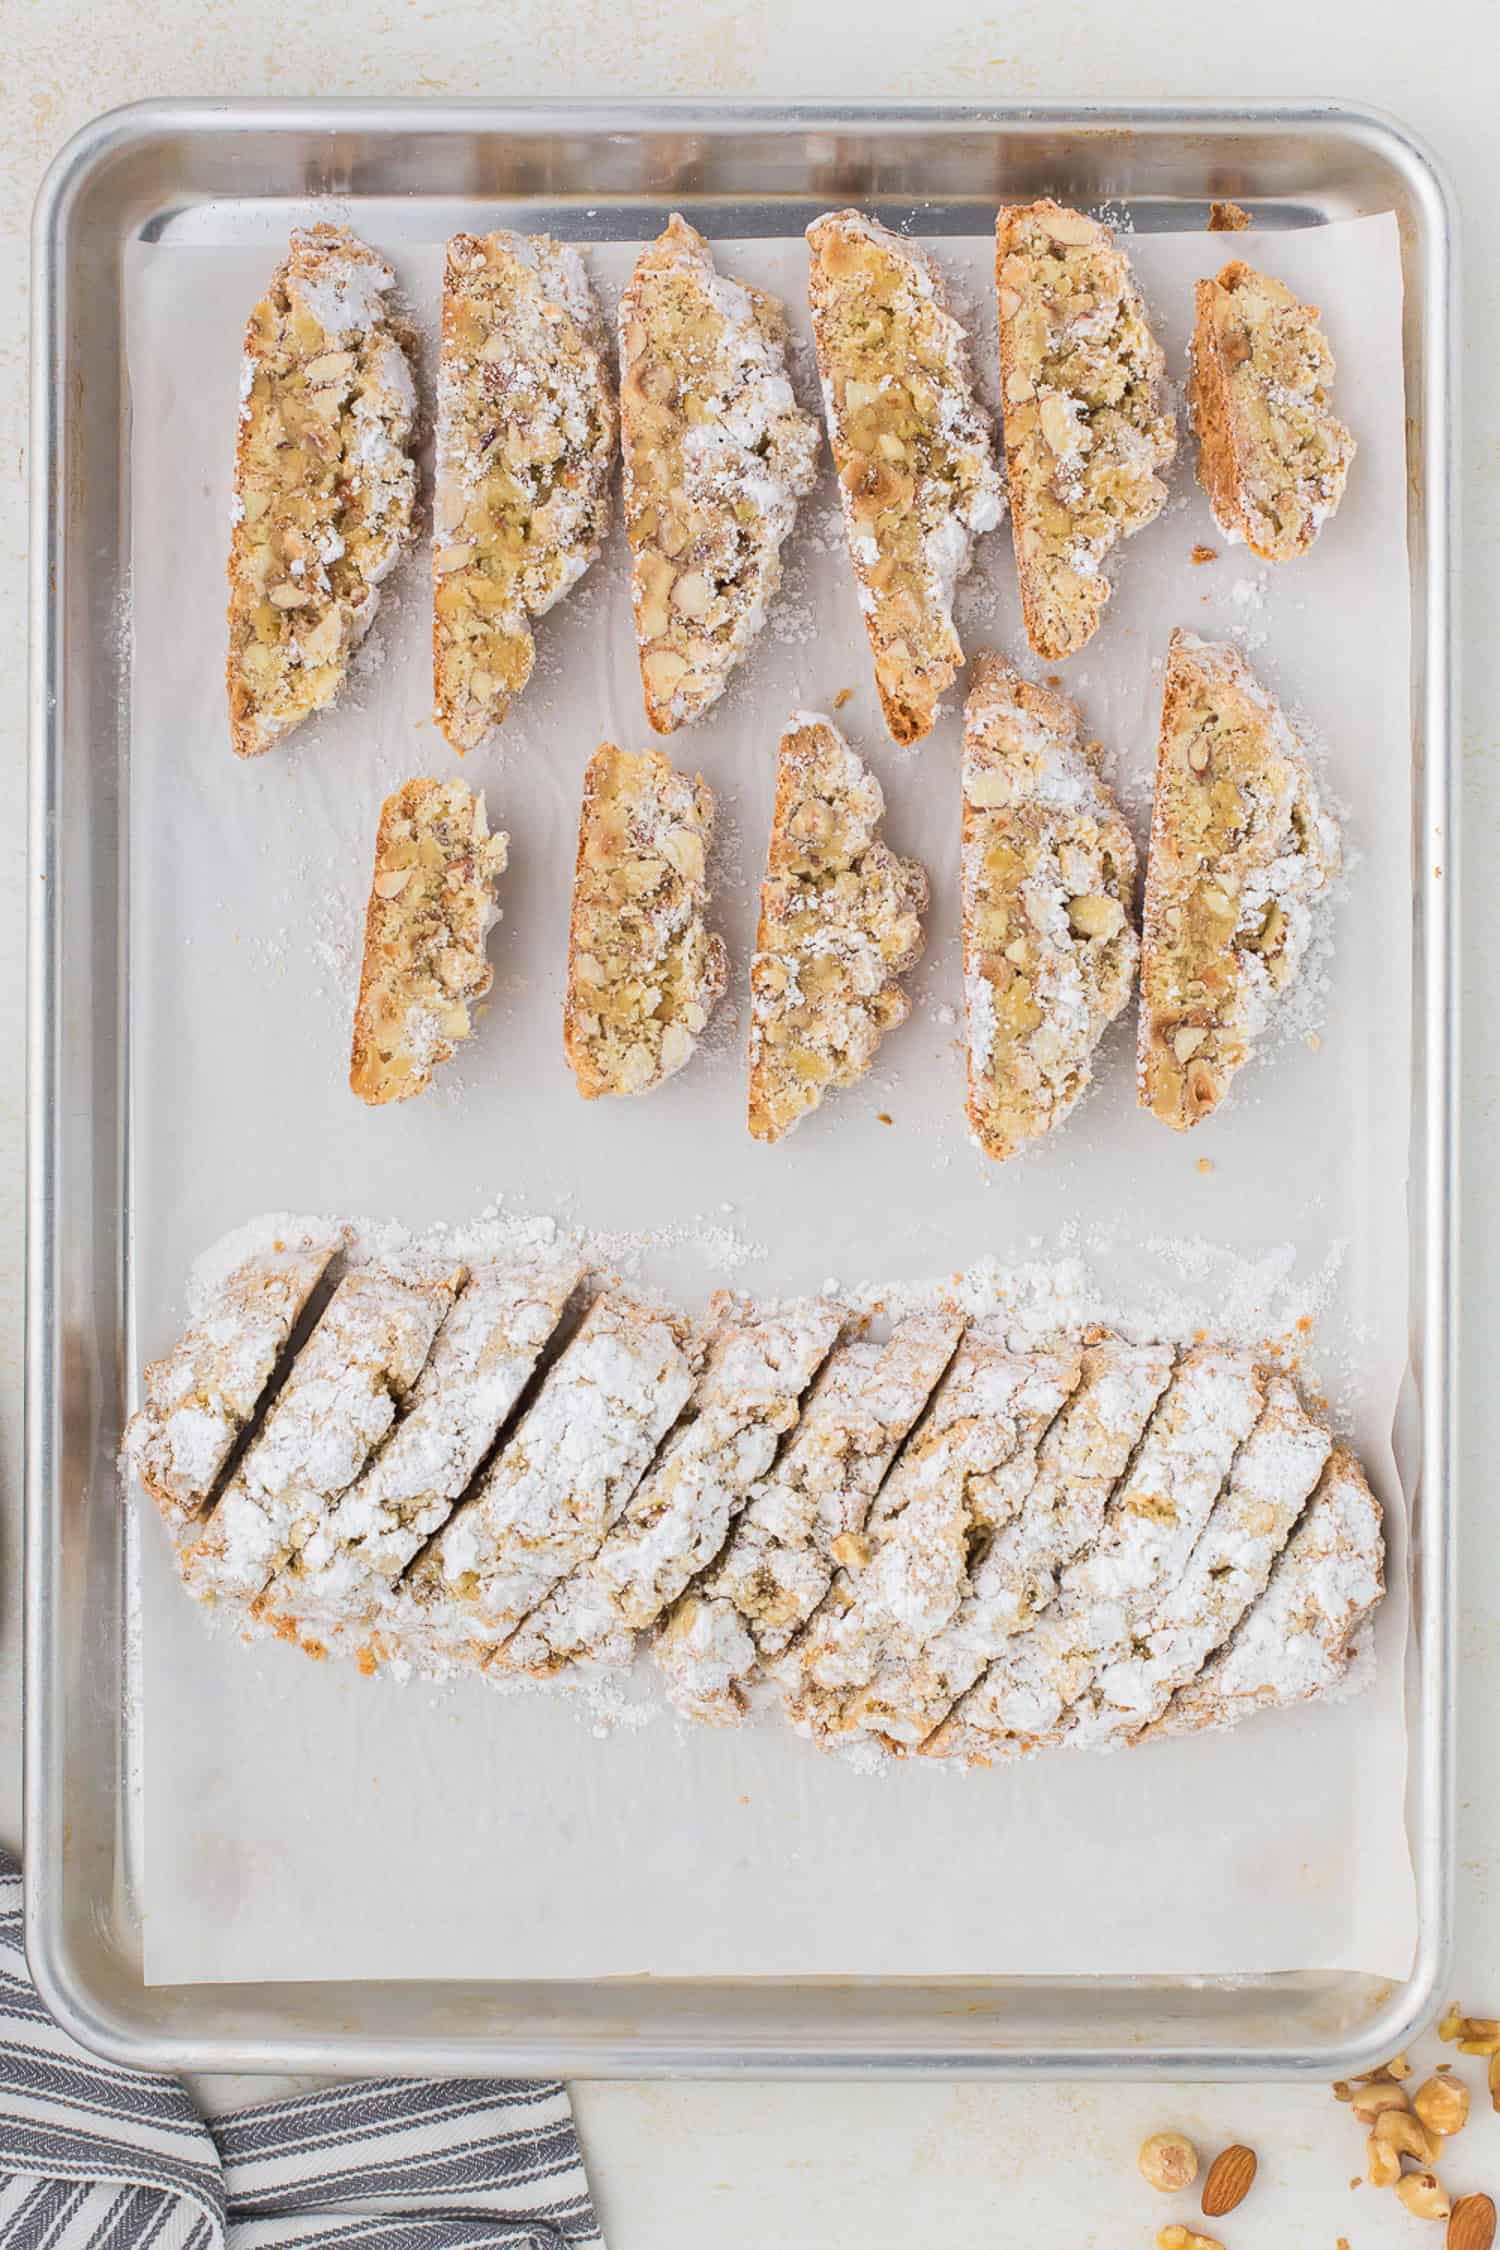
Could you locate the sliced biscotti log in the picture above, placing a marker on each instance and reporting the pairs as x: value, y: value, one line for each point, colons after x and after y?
x: 913, y: 447
x: 1048, y: 897
x: 644, y: 970
x: 324, y: 481
x: 347, y: 1385
x: 1087, y: 426
x: 840, y: 922
x: 1014, y: 1576
x: 432, y: 907
x: 1298, y: 1639
x: 759, y: 1367
x: 486, y: 1352
x: 1273, y: 456
x: 964, y: 1476
x: 526, y: 437
x: 717, y: 455
x: 199, y: 1400
x: 1242, y: 851
x: 1023, y: 1701
x: 802, y: 1520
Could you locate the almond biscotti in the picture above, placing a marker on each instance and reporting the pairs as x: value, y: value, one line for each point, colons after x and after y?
x: 1048, y: 894
x: 526, y: 437
x: 644, y: 971
x: 914, y: 451
x: 840, y: 922
x: 1087, y: 427
x: 1273, y: 456
x: 717, y: 455
x: 1242, y: 851
x: 324, y: 481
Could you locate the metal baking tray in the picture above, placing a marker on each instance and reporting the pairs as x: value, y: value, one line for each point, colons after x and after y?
x: 210, y: 171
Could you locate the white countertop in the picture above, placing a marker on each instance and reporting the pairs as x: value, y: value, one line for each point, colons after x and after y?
x: 742, y: 2166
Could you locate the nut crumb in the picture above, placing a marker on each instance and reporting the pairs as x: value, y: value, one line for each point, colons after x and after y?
x: 842, y: 698
x: 1202, y: 554
x: 1205, y: 1164
x: 884, y: 1117
x: 1227, y: 218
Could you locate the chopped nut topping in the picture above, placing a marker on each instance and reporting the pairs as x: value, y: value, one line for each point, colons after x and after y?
x: 432, y: 906
x: 324, y: 481
x: 913, y: 448
x: 1086, y: 424
x: 1272, y: 455
x: 644, y: 972
x: 840, y: 921
x: 525, y: 445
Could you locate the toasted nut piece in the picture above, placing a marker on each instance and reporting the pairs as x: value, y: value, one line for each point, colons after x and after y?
x: 1472, y: 2226
x: 1230, y: 2179
x: 1382, y: 2164
x: 1168, y: 2161
x: 1342, y: 2090
x: 1481, y: 2036
x: 1183, y: 2238
x: 1448, y: 2027
x: 1406, y: 2134
x: 1443, y: 2105
x: 1494, y: 2079
x: 1370, y: 2102
x: 1424, y: 2195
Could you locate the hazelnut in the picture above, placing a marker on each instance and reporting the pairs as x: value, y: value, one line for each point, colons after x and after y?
x: 1168, y: 2161
x: 1443, y: 2105
x: 1424, y: 2195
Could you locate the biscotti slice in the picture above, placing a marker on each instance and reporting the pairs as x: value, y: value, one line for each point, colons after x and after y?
x: 1079, y: 1462
x: 960, y: 1480
x: 802, y: 1520
x: 1277, y: 1468
x: 840, y: 921
x: 324, y: 481
x: 1297, y: 1640
x: 1273, y: 456
x: 1087, y: 426
x: 559, y: 1483
x: 1154, y: 1517
x: 486, y: 1352
x: 1048, y: 892
x: 644, y: 971
x: 199, y: 1400
x: 432, y: 907
x: 717, y: 455
x: 759, y: 1366
x: 347, y: 1385
x: 1242, y: 850
x: 915, y: 452
x: 526, y: 436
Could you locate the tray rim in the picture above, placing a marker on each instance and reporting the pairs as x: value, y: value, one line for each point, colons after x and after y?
x: 107, y: 2025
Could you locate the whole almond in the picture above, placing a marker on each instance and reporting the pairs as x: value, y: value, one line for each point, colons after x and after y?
x: 1472, y: 2224
x: 1230, y: 2177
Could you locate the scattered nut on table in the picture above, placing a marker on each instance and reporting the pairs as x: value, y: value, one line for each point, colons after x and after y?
x: 1370, y: 2102
x: 1168, y: 2161
x: 1230, y: 2179
x: 1382, y: 2164
x: 1443, y: 2105
x: 1472, y: 2226
x: 1424, y: 2195
x: 1183, y: 2238
x: 1406, y: 2134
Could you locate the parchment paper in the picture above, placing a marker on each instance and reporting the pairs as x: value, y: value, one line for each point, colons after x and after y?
x: 304, y: 1822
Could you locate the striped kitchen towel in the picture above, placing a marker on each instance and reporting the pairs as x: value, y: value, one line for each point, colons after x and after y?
x: 93, y: 2157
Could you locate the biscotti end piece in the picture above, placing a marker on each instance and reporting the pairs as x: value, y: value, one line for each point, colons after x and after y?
x: 432, y: 906
x: 914, y: 451
x: 1087, y: 430
x: 526, y: 438
x: 324, y: 481
x: 717, y: 454
x: 644, y: 971
x: 1048, y: 895
x: 1242, y: 851
x: 840, y: 922
x: 1273, y: 457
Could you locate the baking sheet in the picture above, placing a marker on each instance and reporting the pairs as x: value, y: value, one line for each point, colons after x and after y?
x: 302, y: 1822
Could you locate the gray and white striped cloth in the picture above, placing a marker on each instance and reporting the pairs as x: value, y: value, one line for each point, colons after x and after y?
x: 93, y: 2157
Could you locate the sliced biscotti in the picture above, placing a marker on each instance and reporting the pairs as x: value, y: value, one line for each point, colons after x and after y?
x: 1242, y: 851
x: 1048, y: 895
x: 1273, y: 456
x: 1298, y: 1638
x: 347, y: 1385
x: 717, y: 455
x: 644, y: 970
x: 1087, y: 426
x: 432, y: 907
x: 914, y: 451
x: 803, y: 1520
x: 199, y: 1400
x: 324, y: 481
x: 760, y: 1364
x: 526, y: 437
x: 840, y: 922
